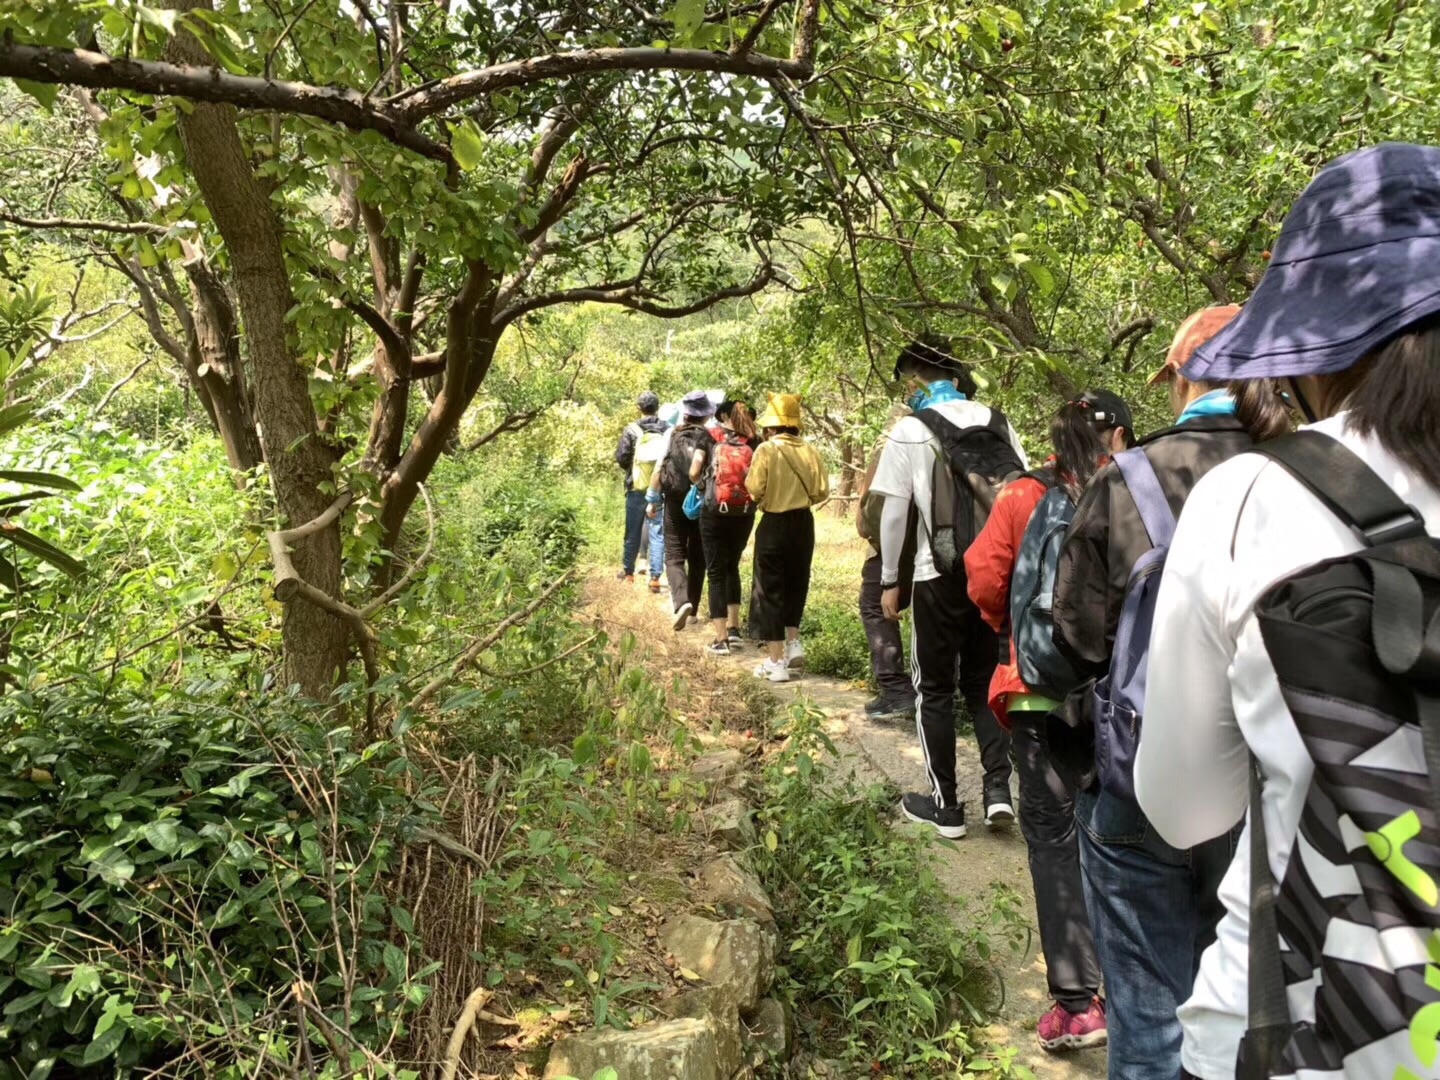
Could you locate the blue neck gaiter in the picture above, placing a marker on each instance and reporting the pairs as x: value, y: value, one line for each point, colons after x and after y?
x: 1215, y: 403
x: 937, y: 393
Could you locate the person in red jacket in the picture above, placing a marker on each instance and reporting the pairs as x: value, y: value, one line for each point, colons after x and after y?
x: 1084, y: 434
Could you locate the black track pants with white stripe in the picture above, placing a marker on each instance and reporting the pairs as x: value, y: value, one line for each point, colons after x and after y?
x: 948, y: 630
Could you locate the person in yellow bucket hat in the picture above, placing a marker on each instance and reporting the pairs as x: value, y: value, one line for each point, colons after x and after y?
x: 787, y: 477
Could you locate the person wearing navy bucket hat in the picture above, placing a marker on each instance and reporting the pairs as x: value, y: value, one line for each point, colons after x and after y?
x: 1295, y: 651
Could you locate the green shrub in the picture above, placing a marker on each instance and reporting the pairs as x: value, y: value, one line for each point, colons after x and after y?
x: 182, y: 877
x: 835, y: 641
x: 866, y: 919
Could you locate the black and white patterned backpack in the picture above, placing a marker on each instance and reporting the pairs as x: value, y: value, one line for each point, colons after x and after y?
x: 1345, y: 954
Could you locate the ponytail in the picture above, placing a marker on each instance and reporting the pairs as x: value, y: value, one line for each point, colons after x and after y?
x: 741, y: 422
x: 1260, y: 406
x: 1078, y: 449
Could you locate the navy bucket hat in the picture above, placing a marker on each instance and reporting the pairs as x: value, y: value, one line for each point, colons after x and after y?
x: 1357, y: 261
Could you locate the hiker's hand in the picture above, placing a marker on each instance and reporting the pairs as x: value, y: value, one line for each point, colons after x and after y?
x: 890, y: 604
x: 651, y: 509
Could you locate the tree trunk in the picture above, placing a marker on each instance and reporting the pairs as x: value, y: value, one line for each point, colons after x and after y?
x: 314, y: 641
x: 850, y: 468
x: 218, y: 368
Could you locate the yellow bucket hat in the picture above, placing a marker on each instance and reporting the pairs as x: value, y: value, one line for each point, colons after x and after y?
x: 783, y: 411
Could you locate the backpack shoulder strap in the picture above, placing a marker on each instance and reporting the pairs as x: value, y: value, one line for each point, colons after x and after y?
x: 1269, y: 1020
x: 1348, y: 487
x: 1155, y: 513
x: 998, y: 423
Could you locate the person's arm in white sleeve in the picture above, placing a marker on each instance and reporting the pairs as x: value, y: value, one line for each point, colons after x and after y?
x: 894, y: 518
x: 1015, y: 442
x: 1190, y: 769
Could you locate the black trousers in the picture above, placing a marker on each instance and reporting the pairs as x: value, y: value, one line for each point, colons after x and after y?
x: 684, y: 555
x: 947, y: 630
x: 724, y: 537
x: 1047, y: 820
x: 784, y: 548
x: 887, y: 654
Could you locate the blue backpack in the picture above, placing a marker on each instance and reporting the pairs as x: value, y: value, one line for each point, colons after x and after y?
x: 1032, y: 593
x: 1119, y: 697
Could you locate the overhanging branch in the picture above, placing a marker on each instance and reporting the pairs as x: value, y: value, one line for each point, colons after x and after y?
x: 126, y: 228
x: 98, y: 71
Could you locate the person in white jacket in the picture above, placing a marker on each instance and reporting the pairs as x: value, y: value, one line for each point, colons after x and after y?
x: 1345, y: 322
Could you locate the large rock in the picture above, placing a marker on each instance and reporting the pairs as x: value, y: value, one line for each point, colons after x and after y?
x: 769, y: 1033
x: 681, y: 1049
x: 726, y: 885
x: 719, y: 768
x: 728, y: 822
x: 714, y: 1005
x: 734, y: 955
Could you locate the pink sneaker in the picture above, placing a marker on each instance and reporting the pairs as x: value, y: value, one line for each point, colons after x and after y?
x: 1060, y: 1029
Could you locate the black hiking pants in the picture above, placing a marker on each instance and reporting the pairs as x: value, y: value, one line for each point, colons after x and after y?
x: 947, y: 630
x: 724, y: 537
x: 784, y: 548
x: 684, y: 556
x: 887, y: 653
x: 1047, y: 820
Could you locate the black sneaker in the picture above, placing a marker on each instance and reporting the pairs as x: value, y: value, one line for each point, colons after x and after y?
x: 682, y: 616
x: 949, y: 822
x: 733, y: 638
x: 999, y: 809
x: 718, y: 648
x: 890, y: 710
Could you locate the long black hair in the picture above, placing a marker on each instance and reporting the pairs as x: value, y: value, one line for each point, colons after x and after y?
x: 1079, y: 451
x: 1395, y: 397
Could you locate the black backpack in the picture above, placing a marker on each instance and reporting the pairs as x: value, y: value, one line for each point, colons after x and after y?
x: 675, y: 469
x: 1354, y: 927
x: 976, y: 462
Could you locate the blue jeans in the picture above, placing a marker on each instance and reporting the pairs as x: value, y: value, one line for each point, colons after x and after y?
x: 1153, y: 910
x: 636, y: 528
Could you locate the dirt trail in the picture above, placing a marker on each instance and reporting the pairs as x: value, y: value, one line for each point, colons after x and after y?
x: 968, y: 868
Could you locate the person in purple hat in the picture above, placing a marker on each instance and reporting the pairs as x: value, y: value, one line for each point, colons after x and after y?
x: 684, y: 550
x: 1293, y: 668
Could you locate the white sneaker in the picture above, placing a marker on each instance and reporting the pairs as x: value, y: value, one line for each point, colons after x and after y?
x: 773, y: 670
x: 683, y: 615
x: 794, y: 654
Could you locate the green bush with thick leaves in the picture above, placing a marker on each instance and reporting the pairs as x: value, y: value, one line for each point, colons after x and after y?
x: 183, y: 877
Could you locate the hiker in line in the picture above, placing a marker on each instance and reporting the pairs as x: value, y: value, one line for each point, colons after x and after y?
x: 787, y: 477
x: 727, y: 516
x: 637, y: 456
x: 1011, y: 573
x: 684, y: 550
x: 895, y: 693
x: 1152, y: 907
x: 948, y: 434
x: 1293, y: 658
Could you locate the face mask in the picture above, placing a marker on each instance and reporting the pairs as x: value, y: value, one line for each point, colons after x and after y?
x: 940, y: 390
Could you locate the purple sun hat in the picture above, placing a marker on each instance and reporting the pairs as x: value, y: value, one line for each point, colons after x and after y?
x: 1356, y: 262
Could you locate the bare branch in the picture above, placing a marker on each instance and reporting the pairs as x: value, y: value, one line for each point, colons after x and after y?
x: 98, y: 71
x: 472, y: 652
x: 110, y: 394
x: 126, y: 228
x: 512, y: 423
x: 443, y: 94
x: 630, y: 296
x: 746, y: 43
x: 395, y: 590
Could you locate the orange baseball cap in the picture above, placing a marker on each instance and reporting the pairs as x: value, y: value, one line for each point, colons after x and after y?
x: 1193, y: 332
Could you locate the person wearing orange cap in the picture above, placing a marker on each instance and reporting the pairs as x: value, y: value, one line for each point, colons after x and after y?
x: 1153, y: 908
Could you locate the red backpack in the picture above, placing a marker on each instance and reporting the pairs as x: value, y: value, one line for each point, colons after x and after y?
x: 725, y: 490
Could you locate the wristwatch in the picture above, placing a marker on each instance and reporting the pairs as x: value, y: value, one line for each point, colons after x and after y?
x: 892, y: 585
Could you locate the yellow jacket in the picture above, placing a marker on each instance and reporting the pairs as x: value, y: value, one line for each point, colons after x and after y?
x: 787, y: 473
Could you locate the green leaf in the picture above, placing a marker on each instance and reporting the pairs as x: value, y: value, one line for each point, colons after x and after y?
x: 687, y: 16
x: 42, y: 479
x: 23, y: 538
x: 162, y: 836
x: 44, y: 93
x: 467, y: 144
x: 113, y: 866
x: 103, y: 1046
x: 394, y: 960
x: 1044, y: 280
